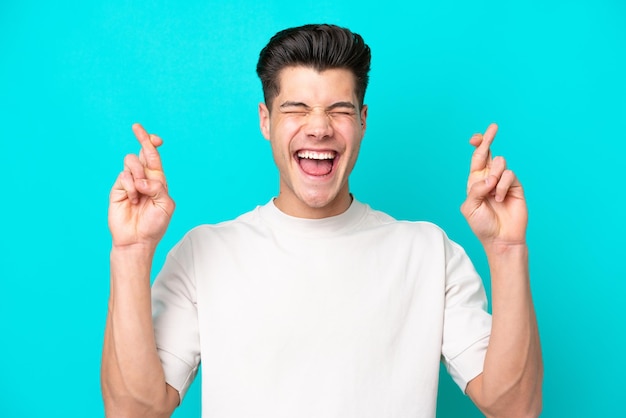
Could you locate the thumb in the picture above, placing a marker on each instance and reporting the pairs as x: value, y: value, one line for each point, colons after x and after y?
x: 477, y: 193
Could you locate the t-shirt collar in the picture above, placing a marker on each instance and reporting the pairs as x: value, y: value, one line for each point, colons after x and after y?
x: 330, y: 226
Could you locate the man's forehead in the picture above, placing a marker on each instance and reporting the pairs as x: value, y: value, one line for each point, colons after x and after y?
x: 295, y: 83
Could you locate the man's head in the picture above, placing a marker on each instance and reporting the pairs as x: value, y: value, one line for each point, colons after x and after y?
x: 320, y: 47
x: 314, y: 79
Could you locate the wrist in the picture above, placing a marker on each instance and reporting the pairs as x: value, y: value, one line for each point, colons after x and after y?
x: 507, y: 261
x: 130, y: 267
x: 136, y: 252
x: 498, y: 249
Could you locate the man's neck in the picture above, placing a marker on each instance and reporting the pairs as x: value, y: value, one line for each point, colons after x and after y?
x: 299, y: 209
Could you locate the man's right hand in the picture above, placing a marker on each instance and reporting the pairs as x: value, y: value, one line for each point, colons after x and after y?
x: 140, y: 207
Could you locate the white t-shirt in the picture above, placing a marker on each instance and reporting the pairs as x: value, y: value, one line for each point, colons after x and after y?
x: 347, y: 316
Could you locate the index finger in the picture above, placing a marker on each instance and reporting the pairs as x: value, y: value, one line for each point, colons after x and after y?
x: 481, y: 158
x: 148, y: 152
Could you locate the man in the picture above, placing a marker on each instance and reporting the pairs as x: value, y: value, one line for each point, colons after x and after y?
x: 314, y: 304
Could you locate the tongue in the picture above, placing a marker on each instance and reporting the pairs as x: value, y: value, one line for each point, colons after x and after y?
x: 316, y: 167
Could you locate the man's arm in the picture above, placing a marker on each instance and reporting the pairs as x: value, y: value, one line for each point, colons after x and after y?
x: 132, y: 378
x: 495, y: 208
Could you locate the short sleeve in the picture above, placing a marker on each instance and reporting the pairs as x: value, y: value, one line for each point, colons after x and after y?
x: 175, y: 319
x: 467, y: 324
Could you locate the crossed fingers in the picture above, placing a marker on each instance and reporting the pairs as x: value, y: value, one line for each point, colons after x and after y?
x: 149, y: 156
x: 143, y: 173
x: 492, y: 170
x: 481, y: 158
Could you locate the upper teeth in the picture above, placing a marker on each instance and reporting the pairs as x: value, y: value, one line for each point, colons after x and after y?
x: 314, y: 155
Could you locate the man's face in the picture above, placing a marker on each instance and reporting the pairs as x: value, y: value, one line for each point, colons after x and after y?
x: 315, y: 128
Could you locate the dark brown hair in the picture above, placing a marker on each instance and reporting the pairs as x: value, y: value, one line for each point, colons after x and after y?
x: 321, y: 47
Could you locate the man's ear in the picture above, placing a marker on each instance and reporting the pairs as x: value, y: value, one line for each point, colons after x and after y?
x: 264, y: 120
x: 363, y: 118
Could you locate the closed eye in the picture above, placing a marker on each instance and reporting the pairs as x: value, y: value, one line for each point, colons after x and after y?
x: 339, y: 109
x: 295, y: 112
x: 342, y: 109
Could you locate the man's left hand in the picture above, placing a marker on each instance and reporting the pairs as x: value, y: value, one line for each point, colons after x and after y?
x: 495, y: 207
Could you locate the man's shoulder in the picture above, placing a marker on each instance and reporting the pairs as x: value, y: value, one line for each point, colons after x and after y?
x: 209, y: 231
x: 383, y: 219
x: 246, y: 218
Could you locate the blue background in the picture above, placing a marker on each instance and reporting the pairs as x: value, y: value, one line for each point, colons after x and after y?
x: 75, y: 75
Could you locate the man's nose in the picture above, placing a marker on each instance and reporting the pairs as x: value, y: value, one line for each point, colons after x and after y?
x: 318, y: 124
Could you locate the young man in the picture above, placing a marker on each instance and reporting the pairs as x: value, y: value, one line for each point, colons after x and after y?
x: 314, y: 304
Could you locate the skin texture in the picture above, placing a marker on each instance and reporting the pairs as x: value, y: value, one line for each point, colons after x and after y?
x: 316, y: 112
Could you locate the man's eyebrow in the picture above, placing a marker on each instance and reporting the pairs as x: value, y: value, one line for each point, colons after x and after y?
x: 344, y: 105
x: 293, y: 104
x: 333, y: 106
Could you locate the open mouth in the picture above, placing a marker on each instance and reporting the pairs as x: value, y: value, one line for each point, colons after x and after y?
x: 316, y: 163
